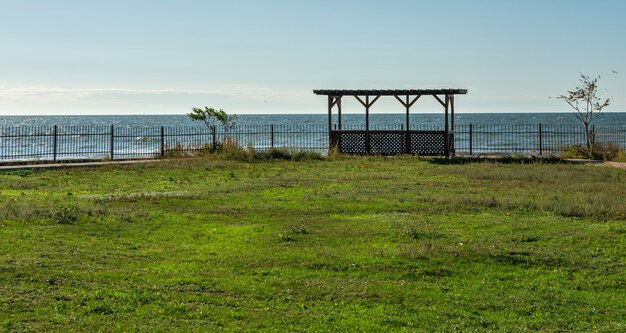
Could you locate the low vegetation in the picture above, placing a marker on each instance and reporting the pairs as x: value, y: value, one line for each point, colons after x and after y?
x: 338, y: 244
x: 603, y: 152
x: 231, y: 151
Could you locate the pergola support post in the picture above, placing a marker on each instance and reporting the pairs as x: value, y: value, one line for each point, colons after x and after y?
x: 332, y: 101
x: 367, y: 125
x: 453, y: 143
x: 339, y: 112
x: 452, y: 113
x: 407, y: 105
x: 367, y: 104
x: 407, y: 134
x: 330, y: 121
x: 447, y: 128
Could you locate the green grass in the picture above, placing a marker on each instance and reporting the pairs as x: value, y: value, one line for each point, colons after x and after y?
x: 346, y: 244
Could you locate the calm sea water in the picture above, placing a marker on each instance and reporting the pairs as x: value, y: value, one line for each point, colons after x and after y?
x: 606, y: 118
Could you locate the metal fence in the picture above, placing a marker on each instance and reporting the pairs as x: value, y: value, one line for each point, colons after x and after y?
x: 56, y: 143
x: 538, y: 139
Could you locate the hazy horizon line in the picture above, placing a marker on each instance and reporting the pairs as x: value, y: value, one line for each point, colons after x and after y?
x: 289, y: 114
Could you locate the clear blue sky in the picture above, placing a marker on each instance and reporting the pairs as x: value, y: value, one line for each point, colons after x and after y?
x: 157, y: 56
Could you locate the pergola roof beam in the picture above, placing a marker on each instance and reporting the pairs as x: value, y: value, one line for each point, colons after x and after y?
x: 389, y: 92
x: 407, y: 104
x: 367, y: 103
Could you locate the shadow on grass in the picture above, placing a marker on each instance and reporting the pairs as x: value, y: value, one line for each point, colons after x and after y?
x: 498, y: 160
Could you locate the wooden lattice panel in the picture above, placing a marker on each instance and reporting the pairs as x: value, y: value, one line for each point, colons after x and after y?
x: 428, y: 143
x: 350, y: 142
x: 387, y: 143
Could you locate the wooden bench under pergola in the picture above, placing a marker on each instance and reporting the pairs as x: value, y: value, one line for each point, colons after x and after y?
x: 392, y: 142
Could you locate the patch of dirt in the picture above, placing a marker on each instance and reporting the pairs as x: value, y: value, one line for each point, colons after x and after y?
x: 613, y: 165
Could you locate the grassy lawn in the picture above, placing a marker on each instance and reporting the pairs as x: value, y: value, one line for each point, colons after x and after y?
x: 349, y: 244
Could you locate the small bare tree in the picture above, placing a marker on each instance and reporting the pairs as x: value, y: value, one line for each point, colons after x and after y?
x: 586, y: 102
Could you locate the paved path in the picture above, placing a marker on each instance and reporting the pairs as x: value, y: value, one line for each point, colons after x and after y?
x: 98, y: 164
x: 610, y: 164
x: 614, y: 165
x: 74, y: 165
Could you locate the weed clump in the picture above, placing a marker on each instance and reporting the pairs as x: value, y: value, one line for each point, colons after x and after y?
x: 411, y: 232
x: 299, y: 229
x: 65, y: 214
x: 12, y: 210
x: 288, y: 236
x: 285, y: 237
x: 421, y: 230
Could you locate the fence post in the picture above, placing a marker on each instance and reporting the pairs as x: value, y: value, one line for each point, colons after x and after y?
x: 213, y: 138
x: 54, y: 143
x: 112, y: 142
x: 272, y: 136
x: 162, y: 141
x: 540, y: 141
x: 470, y: 140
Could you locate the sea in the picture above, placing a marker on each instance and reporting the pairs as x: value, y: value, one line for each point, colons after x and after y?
x: 419, y: 119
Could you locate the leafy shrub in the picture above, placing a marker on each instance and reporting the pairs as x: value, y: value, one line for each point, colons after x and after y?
x: 607, y: 151
x: 621, y: 157
x: 577, y: 152
x: 600, y: 151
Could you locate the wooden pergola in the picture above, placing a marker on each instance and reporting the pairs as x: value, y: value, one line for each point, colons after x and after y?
x: 392, y: 142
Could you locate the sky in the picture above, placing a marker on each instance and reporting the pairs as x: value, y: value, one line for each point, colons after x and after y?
x: 261, y: 56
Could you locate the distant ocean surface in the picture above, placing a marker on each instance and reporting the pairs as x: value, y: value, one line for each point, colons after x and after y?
x: 605, y: 118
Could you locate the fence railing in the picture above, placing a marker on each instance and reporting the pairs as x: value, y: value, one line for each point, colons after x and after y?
x: 537, y: 139
x: 108, y: 142
x: 54, y: 143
